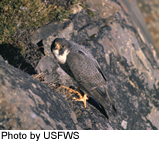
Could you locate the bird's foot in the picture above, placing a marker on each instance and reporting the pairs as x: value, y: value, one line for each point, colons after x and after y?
x: 72, y: 92
x: 81, y: 98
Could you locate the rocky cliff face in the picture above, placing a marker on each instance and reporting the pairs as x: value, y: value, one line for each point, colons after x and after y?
x: 126, y: 55
x: 28, y: 104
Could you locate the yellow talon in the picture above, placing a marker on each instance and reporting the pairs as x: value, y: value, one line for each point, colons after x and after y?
x: 81, y: 98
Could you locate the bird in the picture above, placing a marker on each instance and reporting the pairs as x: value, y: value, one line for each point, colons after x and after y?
x: 80, y: 64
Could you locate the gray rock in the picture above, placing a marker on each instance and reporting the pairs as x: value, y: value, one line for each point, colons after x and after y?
x: 104, y: 9
x: 28, y: 104
x: 138, y: 23
x: 46, y: 31
x: 53, y: 72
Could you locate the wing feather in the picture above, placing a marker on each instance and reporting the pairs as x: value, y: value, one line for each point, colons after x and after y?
x: 88, y: 74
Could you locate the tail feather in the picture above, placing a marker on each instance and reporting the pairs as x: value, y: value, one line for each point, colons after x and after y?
x: 100, y: 94
x: 98, y: 106
x: 105, y: 104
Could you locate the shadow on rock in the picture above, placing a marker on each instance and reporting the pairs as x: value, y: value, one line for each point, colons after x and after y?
x: 13, y: 56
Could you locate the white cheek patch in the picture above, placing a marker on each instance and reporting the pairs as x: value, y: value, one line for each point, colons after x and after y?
x: 61, y: 58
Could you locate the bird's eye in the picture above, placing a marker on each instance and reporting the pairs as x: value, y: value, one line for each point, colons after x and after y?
x: 63, y: 46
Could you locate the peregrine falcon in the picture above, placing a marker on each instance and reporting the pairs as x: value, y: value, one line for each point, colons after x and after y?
x: 78, y: 63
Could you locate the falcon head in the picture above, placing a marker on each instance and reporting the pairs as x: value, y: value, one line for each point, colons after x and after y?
x: 60, y: 48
